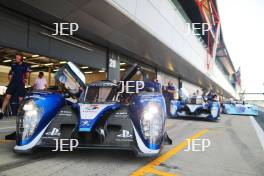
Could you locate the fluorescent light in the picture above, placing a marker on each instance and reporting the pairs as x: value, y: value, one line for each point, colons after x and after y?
x: 122, y: 63
x: 34, y: 66
x: 88, y: 72
x: 101, y: 71
x: 9, y: 60
x: 35, y: 55
x: 84, y: 67
x: 48, y: 64
x: 63, y: 62
x: 122, y: 69
x: 24, y: 57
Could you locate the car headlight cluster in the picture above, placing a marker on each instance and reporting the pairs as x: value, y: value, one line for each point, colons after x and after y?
x: 214, y: 110
x: 30, y: 119
x: 173, y: 109
x: 151, y: 123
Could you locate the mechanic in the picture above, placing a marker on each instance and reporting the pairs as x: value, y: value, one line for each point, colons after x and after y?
x: 17, y: 79
x: 170, y: 95
x: 171, y: 90
x: 40, y: 82
x: 211, y: 95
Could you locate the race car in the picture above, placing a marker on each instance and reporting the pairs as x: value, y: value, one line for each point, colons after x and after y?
x: 94, y: 115
x: 239, y: 108
x: 197, y: 106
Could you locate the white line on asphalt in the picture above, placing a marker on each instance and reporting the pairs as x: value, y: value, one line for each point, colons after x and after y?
x: 259, y: 131
x: 10, y: 127
x: 2, y: 121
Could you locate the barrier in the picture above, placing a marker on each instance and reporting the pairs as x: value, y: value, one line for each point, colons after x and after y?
x: 260, y: 117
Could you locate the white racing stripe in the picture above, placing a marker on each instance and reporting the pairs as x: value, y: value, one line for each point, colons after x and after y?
x: 9, y: 127
x: 33, y: 142
x: 259, y: 131
x: 142, y: 146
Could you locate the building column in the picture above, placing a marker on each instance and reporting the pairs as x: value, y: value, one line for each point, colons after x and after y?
x: 179, y: 88
x: 113, y: 66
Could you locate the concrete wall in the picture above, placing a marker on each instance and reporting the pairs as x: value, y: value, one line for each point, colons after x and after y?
x: 162, y: 20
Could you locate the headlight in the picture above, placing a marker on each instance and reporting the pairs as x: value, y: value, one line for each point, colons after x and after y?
x: 173, y: 109
x: 214, y: 111
x: 151, y: 123
x: 30, y: 119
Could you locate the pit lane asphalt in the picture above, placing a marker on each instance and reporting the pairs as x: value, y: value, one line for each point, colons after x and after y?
x: 235, y: 151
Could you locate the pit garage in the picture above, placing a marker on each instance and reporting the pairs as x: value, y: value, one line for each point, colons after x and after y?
x: 39, y: 63
x: 45, y: 52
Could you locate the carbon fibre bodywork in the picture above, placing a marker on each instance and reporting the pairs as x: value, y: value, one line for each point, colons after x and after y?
x: 95, y: 122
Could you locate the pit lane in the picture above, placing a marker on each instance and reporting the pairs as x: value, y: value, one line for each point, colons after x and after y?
x: 235, y: 150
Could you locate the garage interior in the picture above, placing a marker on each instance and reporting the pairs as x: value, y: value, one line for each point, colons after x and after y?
x: 45, y: 64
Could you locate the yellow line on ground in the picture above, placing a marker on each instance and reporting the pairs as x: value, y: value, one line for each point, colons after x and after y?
x: 2, y: 141
x: 158, y: 172
x: 156, y: 162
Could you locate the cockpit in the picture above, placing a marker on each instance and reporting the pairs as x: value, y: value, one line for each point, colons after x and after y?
x: 100, y: 92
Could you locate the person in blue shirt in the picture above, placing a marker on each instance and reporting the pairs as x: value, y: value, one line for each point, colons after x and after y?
x: 17, y: 79
x: 170, y: 92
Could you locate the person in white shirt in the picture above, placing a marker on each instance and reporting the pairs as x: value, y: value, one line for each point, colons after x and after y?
x: 40, y: 82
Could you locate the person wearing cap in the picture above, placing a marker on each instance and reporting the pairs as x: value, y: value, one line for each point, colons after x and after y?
x: 17, y: 79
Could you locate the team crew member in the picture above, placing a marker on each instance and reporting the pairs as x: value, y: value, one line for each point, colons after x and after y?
x: 171, y: 90
x: 18, y: 75
x: 170, y: 95
x: 40, y: 82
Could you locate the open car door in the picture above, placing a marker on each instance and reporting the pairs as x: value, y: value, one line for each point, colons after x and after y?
x: 71, y: 77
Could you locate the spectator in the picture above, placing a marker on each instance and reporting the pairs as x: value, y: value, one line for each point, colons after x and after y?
x: 40, y: 82
x: 18, y: 76
x: 158, y: 87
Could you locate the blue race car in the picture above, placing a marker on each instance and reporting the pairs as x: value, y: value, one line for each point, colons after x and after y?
x: 240, y: 108
x: 199, y: 107
x: 95, y: 115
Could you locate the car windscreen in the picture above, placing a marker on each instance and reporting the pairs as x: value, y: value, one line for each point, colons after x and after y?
x: 196, y: 100
x: 97, y: 94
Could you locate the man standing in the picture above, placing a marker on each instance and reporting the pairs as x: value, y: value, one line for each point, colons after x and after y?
x: 170, y: 95
x: 171, y: 90
x: 18, y: 75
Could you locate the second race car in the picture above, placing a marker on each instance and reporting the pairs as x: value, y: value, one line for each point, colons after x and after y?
x: 196, y: 106
x: 240, y: 108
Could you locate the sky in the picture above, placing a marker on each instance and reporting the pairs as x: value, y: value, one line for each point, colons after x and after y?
x: 243, y: 31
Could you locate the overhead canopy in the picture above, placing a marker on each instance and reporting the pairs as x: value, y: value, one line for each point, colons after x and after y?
x: 103, y: 24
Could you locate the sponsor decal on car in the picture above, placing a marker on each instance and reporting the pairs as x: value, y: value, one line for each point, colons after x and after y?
x: 90, y: 111
x: 65, y: 113
x: 85, y: 123
x: 124, y: 136
x: 121, y: 114
x: 54, y: 132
